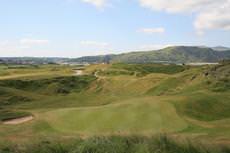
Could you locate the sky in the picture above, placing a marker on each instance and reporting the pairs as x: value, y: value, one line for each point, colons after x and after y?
x: 74, y: 28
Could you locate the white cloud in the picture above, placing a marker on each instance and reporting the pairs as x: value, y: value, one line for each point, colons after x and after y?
x: 210, y: 14
x: 152, y: 30
x: 175, y: 6
x: 32, y: 42
x: 94, y: 44
x: 218, y: 18
x: 97, y: 3
x: 4, y: 43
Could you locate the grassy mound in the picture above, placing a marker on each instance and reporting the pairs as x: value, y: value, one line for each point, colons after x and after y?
x: 166, y: 86
x: 143, y: 69
x: 205, y: 106
x: 115, y: 72
x: 62, y: 85
x: 9, y: 97
x: 15, y: 100
x: 218, y: 77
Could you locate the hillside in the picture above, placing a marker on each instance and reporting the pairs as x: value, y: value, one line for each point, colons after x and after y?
x: 177, y: 54
x: 31, y: 60
x: 180, y: 54
x: 114, y: 99
x: 221, y: 48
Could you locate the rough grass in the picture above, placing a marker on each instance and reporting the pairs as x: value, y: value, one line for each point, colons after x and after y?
x: 218, y: 77
x: 115, y: 103
x: 61, y: 85
x: 115, y: 72
x: 7, y: 115
x: 30, y: 71
x: 205, y: 106
x: 117, y: 144
x: 143, y: 69
x: 166, y: 86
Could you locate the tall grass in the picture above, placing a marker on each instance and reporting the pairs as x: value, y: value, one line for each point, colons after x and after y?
x: 117, y: 144
x: 60, y: 84
x: 8, y: 115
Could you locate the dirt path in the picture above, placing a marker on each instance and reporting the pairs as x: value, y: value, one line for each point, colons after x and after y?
x: 18, y: 120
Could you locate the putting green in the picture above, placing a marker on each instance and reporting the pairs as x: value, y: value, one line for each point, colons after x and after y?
x: 140, y: 115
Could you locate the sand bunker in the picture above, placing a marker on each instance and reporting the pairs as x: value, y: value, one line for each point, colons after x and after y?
x: 18, y: 120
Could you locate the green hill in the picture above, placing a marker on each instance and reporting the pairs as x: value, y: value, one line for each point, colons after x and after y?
x: 180, y: 54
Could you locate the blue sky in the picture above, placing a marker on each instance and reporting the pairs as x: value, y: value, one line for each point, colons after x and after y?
x: 73, y: 28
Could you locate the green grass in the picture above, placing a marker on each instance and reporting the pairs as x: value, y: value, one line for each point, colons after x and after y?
x: 205, y: 106
x: 124, y: 99
x: 218, y: 77
x: 143, y: 69
x: 117, y: 144
x: 115, y: 72
x: 7, y: 115
x: 143, y: 115
x: 57, y: 85
x: 166, y: 86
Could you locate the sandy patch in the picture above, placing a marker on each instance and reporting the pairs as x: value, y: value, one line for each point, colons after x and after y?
x: 78, y: 72
x: 18, y: 120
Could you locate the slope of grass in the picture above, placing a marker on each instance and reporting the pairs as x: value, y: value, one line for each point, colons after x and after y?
x: 144, y: 69
x: 115, y: 72
x: 218, y: 77
x: 31, y: 71
x: 205, y: 106
x: 148, y: 99
x: 7, y: 115
x: 117, y: 144
x: 174, y: 54
x: 166, y: 86
x: 54, y: 85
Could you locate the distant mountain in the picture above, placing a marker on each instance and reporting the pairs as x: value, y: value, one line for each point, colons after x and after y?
x: 94, y: 59
x: 32, y: 60
x: 178, y: 54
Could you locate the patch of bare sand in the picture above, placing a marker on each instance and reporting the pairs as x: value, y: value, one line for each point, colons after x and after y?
x: 78, y: 72
x: 18, y: 120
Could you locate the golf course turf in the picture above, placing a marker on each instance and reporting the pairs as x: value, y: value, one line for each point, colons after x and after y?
x: 116, y: 106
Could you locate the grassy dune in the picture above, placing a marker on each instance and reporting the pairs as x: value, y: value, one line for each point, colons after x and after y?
x: 116, y: 99
x: 117, y: 144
